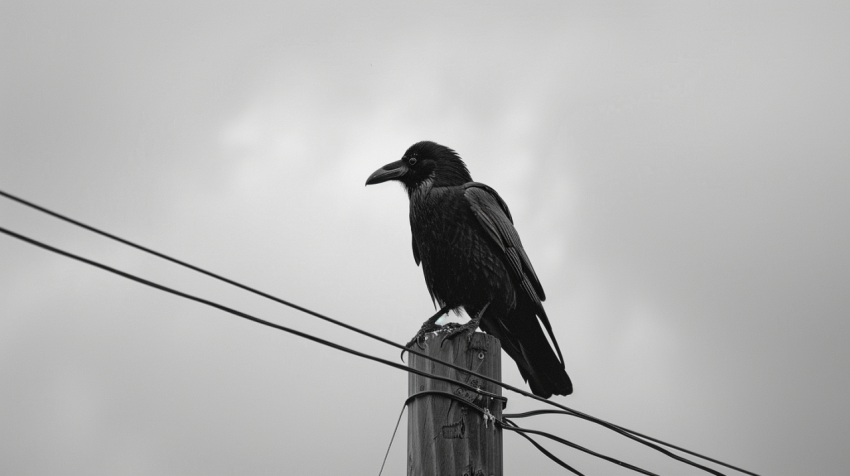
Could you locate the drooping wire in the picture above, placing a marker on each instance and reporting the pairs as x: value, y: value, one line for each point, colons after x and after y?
x: 513, y: 427
x: 548, y: 453
x: 623, y: 431
x: 561, y: 412
x: 628, y: 434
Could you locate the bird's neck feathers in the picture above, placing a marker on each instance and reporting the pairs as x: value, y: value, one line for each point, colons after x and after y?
x: 451, y: 171
x: 420, y: 190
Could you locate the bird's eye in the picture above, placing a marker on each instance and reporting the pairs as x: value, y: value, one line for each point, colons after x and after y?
x: 411, y: 161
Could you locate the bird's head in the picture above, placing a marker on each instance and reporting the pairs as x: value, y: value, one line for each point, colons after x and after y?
x: 424, y: 162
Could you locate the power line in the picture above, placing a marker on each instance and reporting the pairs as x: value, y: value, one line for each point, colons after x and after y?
x: 242, y: 286
x: 507, y: 424
x: 634, y: 436
x: 513, y: 427
x: 559, y: 412
x: 549, y: 454
x: 196, y: 268
x: 312, y: 338
x: 643, y: 439
x: 241, y: 314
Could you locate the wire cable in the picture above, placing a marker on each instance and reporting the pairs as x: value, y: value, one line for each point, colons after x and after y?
x: 507, y: 424
x: 560, y: 412
x: 630, y: 435
x: 548, y: 453
x: 241, y: 314
x: 197, y: 269
x: 513, y: 427
x: 297, y: 333
x: 624, y: 431
x: 291, y: 331
x: 237, y: 284
x: 392, y: 438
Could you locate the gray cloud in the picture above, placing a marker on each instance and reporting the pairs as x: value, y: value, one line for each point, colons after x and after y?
x: 677, y: 173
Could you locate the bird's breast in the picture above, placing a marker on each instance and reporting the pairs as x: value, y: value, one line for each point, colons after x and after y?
x: 443, y: 222
x: 459, y: 263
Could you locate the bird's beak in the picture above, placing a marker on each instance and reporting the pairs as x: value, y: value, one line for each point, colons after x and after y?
x: 388, y: 172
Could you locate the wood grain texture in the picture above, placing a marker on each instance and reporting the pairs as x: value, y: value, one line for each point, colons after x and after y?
x: 444, y: 436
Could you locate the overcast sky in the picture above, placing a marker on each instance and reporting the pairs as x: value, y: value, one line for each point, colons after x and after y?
x: 678, y: 173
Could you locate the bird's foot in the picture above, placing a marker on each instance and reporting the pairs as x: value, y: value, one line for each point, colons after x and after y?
x: 428, y: 326
x: 469, y: 329
x: 419, y: 338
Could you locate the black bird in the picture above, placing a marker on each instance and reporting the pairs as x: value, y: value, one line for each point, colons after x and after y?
x: 472, y: 258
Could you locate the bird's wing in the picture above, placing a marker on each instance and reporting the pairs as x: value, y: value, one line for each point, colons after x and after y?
x: 493, y: 215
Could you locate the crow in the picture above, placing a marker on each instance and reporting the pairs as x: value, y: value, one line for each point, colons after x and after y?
x: 472, y: 258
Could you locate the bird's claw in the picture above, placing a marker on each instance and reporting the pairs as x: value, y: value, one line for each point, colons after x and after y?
x: 419, y: 338
x: 468, y: 328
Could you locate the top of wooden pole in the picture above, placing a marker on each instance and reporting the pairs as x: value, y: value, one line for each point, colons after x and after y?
x: 445, y: 435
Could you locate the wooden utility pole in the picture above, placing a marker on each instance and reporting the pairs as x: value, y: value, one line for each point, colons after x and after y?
x: 446, y: 437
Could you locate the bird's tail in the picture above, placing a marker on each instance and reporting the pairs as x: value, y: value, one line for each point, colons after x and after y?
x: 523, y: 339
